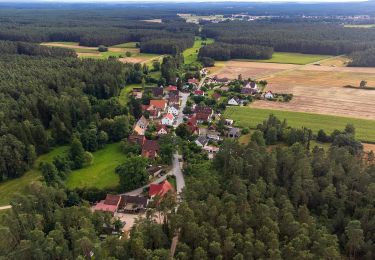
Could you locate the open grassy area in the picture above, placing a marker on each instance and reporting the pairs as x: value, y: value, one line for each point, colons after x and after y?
x: 251, y: 117
x: 11, y: 187
x: 101, y: 173
x: 126, y: 45
x: 191, y: 54
x: 292, y: 58
x: 124, y: 95
x: 359, y: 25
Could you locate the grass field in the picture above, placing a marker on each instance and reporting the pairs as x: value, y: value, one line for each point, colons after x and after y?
x: 292, y: 58
x: 251, y: 117
x: 359, y: 25
x: 101, y: 174
x: 126, y: 45
x: 124, y: 95
x: 9, y: 188
x: 191, y: 54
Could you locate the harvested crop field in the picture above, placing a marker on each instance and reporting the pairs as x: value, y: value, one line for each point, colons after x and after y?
x: 368, y: 147
x: 247, y: 69
x: 320, y: 89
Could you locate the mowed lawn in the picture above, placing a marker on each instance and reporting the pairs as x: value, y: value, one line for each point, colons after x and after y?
x: 19, y: 185
x: 292, y: 58
x: 101, y: 173
x: 191, y: 54
x: 251, y: 117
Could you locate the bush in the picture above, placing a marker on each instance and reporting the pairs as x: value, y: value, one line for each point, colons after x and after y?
x: 102, y: 48
x: 207, y: 61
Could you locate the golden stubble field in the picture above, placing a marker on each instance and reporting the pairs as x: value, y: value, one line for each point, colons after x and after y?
x: 316, y: 89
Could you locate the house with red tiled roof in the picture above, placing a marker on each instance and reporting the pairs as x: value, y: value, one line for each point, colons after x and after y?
x: 168, y: 119
x: 109, y: 204
x: 160, y: 189
x: 203, y: 114
x: 159, y: 104
x: 150, y: 149
x: 137, y: 139
x: 173, y: 100
x: 170, y: 88
x: 193, y: 81
x: 141, y: 126
x: 199, y: 92
x: 192, y: 123
x: 162, y: 130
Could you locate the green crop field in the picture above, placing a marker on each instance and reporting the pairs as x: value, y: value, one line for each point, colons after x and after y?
x: 101, y: 173
x: 251, y: 117
x: 191, y: 54
x: 126, y: 45
x: 18, y: 185
x: 292, y: 58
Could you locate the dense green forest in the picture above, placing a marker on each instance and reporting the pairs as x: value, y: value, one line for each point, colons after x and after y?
x: 220, y: 51
x: 249, y: 203
x: 45, y: 100
x: 312, y: 38
x: 98, y: 27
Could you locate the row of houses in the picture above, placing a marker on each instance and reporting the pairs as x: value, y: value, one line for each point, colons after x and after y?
x: 133, y: 204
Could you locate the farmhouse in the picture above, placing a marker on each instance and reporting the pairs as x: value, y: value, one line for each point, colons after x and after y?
x: 235, y: 101
x: 160, y: 189
x: 268, y: 95
x: 152, y: 112
x: 158, y: 104
x: 234, y: 132
x: 110, y: 204
x: 199, y: 92
x: 192, y: 123
x: 150, y: 149
x: 201, y: 141
x: 137, y: 139
x: 193, y: 81
x: 174, y: 110
x: 162, y: 130
x: 173, y: 100
x: 213, y: 135
x: 141, y: 126
x: 133, y: 204
x: 248, y: 91
x: 168, y: 119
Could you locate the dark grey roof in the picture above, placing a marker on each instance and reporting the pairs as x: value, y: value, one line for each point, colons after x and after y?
x: 140, y: 200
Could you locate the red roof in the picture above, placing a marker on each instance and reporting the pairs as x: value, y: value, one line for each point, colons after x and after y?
x: 169, y: 116
x: 171, y: 88
x: 137, y: 139
x: 110, y: 203
x: 199, y: 92
x: 150, y: 148
x: 193, y: 80
x: 104, y: 207
x: 160, y: 189
x: 192, y: 121
x: 159, y: 104
x: 202, y: 116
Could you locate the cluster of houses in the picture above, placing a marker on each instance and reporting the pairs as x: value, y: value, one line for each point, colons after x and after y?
x: 133, y: 204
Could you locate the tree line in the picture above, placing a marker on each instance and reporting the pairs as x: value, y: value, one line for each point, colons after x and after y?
x: 46, y: 101
x: 94, y: 28
x: 311, y: 38
x: 222, y: 51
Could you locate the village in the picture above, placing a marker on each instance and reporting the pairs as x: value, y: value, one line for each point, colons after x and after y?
x: 198, y: 109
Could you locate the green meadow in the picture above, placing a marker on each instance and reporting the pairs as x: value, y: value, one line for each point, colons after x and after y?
x: 291, y: 58
x: 251, y: 117
x: 191, y: 54
x: 101, y: 173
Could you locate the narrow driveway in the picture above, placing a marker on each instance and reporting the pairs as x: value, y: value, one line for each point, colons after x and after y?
x: 177, y: 172
x: 180, y: 117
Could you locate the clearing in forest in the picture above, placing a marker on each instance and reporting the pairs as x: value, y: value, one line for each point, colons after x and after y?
x: 251, y: 117
x: 191, y: 54
x: 291, y: 58
x: 101, y: 173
